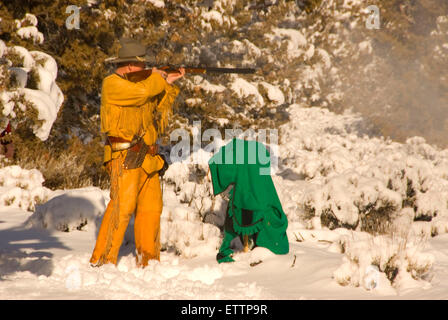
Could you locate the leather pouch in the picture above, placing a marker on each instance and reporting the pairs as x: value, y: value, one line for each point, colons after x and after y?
x: 136, y: 155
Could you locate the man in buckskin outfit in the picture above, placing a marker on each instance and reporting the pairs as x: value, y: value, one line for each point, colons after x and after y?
x: 132, y: 116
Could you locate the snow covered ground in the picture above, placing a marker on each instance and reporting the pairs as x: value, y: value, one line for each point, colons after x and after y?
x: 328, y: 165
x: 37, y: 264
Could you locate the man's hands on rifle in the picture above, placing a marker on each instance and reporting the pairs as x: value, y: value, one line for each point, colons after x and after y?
x: 170, y: 77
x: 175, y: 76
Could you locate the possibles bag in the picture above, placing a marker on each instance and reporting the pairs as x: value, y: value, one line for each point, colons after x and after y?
x: 136, y: 155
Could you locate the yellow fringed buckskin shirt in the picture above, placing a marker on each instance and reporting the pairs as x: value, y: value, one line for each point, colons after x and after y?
x: 128, y: 110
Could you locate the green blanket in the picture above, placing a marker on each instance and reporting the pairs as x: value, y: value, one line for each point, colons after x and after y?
x: 245, y: 165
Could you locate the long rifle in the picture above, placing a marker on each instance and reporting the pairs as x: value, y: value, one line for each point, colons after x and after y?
x: 145, y: 73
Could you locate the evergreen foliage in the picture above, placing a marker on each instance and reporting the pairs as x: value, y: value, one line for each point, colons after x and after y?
x: 395, y: 76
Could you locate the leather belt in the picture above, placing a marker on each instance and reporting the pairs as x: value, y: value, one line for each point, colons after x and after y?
x: 120, y: 144
x: 116, y: 139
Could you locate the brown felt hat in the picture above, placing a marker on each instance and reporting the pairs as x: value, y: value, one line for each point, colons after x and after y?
x: 131, y: 51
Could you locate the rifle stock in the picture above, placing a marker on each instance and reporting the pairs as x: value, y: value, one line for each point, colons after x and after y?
x: 137, y: 76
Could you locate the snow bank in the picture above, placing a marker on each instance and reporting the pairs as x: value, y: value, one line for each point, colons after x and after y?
x: 190, y: 216
x: 188, y: 236
x: 22, y: 188
x: 399, y: 262
x: 351, y: 180
x: 170, y: 278
x: 70, y: 210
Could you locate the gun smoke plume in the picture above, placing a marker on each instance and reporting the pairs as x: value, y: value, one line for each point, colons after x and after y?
x: 402, y: 85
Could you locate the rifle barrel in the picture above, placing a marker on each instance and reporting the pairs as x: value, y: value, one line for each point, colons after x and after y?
x: 143, y: 74
x: 229, y: 70
x: 210, y: 70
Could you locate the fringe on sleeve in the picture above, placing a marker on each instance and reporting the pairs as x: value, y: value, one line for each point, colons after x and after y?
x: 165, y: 108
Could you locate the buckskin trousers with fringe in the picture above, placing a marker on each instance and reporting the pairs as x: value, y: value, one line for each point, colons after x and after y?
x: 131, y: 191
